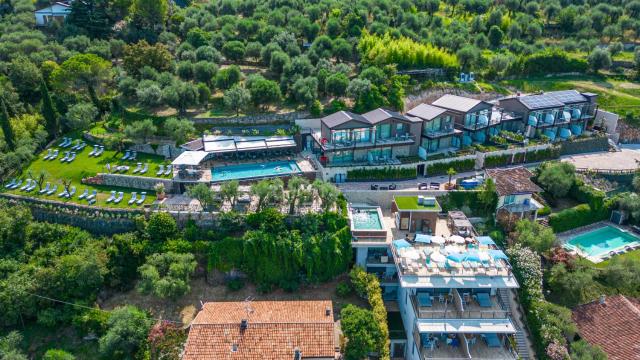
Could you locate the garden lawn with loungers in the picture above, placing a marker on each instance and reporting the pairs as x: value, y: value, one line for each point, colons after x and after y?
x: 84, y: 166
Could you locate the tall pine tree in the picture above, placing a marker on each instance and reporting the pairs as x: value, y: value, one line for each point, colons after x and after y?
x: 49, y: 112
x: 9, y: 137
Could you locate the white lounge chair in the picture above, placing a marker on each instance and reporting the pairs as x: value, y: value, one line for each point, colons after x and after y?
x: 92, y: 201
x: 168, y: 170
x: 134, y: 155
x: 26, y: 185
x: 160, y: 170
x: 72, y: 191
x: 93, y: 195
x: 145, y: 168
x: 112, y: 197
x: 10, y: 184
x: 143, y: 196
x: 16, y: 184
x: 71, y: 157
x: 100, y: 151
x: 66, y: 156
x: 49, y: 153
x: 54, y: 155
x: 52, y: 190
x: 46, y: 188
x: 84, y: 194
x: 32, y: 187
x: 81, y: 146
x: 126, y: 156
x: 138, y: 168
x: 119, y: 198
x: 133, y: 198
x: 94, y: 151
x: 63, y: 194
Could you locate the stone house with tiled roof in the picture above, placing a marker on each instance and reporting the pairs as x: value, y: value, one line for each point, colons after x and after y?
x: 515, y: 193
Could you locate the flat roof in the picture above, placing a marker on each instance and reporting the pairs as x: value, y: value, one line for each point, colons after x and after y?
x: 467, y: 326
x: 410, y: 203
x: 190, y: 158
x: 220, y: 146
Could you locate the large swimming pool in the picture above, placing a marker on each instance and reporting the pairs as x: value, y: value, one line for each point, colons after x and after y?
x: 601, y: 241
x: 252, y: 171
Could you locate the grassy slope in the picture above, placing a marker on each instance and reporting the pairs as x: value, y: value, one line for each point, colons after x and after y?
x: 631, y: 254
x: 84, y: 166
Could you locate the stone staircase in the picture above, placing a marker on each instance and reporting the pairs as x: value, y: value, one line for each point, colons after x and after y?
x: 521, y: 344
x: 504, y: 299
x: 521, y: 336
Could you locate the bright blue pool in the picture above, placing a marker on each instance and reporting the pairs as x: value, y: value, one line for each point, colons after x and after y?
x: 599, y: 242
x: 252, y: 171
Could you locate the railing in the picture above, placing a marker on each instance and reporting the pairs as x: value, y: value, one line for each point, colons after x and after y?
x: 438, y: 133
x: 450, y: 312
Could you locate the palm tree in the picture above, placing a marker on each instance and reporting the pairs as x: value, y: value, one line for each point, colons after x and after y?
x: 229, y: 191
x: 451, y: 172
x: 268, y: 191
x: 327, y: 193
x: 297, y: 189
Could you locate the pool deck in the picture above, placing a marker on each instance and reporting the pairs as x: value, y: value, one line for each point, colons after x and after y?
x: 565, y: 236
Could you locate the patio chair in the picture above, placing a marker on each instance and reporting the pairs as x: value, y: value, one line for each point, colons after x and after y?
x: 145, y: 168
x: 84, y: 194
x: 52, y: 190
x: 134, y: 196
x: 112, y: 197
x: 167, y: 171
x: 126, y: 156
x: 46, y: 188
x: 32, y: 187
x: 160, y: 170
x: 92, y: 196
x: 49, y: 153
x: 72, y: 191
x: 134, y: 155
x: 143, y: 196
x: 26, y: 185
x: 54, y: 155
x: 10, y: 184
x: 118, y: 198
x: 138, y: 168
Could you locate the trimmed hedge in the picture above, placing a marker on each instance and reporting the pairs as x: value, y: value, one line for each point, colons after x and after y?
x: 497, y: 161
x: 389, y: 173
x: 368, y: 286
x: 521, y: 158
x: 585, y: 145
x: 548, y: 62
x: 458, y: 165
x: 578, y: 216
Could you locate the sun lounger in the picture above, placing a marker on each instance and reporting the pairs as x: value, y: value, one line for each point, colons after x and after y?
x: 54, y: 155
x: 134, y: 156
x: 64, y: 193
x: 145, y: 168
x: 66, y: 156
x: 52, y: 190
x: 112, y: 197
x: 119, y: 198
x: 133, y: 198
x: 138, y: 168
x: 46, y: 188
x: 10, y: 184
x: 34, y: 184
x: 63, y: 143
x: 168, y: 170
x: 15, y: 185
x: 82, y: 146
x: 92, y: 201
x: 143, y: 196
x: 84, y: 194
x: 126, y: 156
x: 100, y: 151
x: 93, y: 195
x: 72, y: 191
x: 26, y: 185
x: 71, y: 157
x: 160, y: 170
x: 49, y: 153
x: 94, y: 151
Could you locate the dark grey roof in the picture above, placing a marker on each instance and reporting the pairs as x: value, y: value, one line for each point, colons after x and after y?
x: 194, y: 145
x: 552, y: 99
x: 426, y: 111
x: 377, y: 115
x: 341, y: 117
x: 457, y: 103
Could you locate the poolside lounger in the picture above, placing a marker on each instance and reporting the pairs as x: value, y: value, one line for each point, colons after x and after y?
x: 72, y: 157
x: 92, y: 201
x: 145, y: 168
x: 100, y: 151
x: 54, y: 155
x: 64, y: 193
x: 52, y: 190
x: 143, y: 196
x: 112, y: 197
x: 72, y: 191
x: 119, y: 198
x: 10, y: 184
x: 133, y: 198
x: 82, y: 146
x: 63, y: 143
x: 84, y: 194
x: 160, y: 170
x: 138, y: 168
x: 65, y: 157
x: 26, y: 185
x: 134, y: 155
x: 93, y: 195
x: 126, y: 156
x: 46, y: 188
x: 94, y: 151
x: 76, y: 145
x: 168, y: 170
x: 16, y: 185
x: 31, y: 187
x: 49, y: 153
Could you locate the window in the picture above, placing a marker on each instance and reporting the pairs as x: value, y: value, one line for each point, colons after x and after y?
x: 384, y: 131
x: 509, y: 199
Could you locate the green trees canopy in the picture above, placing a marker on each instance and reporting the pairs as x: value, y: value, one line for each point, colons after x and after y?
x: 126, y: 334
x: 557, y: 178
x: 361, y: 330
x: 141, y: 54
x: 534, y: 235
x: 167, y: 275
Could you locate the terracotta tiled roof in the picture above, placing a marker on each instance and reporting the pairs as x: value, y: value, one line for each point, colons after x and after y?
x: 513, y: 181
x: 613, y: 325
x: 275, y: 330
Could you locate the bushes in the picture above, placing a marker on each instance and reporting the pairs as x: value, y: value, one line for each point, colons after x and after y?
x: 521, y: 157
x: 458, y: 165
x: 548, y: 62
x: 577, y: 216
x: 389, y: 173
x: 456, y: 200
x: 497, y: 161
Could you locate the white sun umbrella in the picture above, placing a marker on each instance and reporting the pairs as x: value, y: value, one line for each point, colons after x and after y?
x: 457, y: 239
x: 412, y: 254
x: 454, y: 263
x: 483, y: 255
x: 437, y: 257
x: 437, y: 239
x: 451, y: 249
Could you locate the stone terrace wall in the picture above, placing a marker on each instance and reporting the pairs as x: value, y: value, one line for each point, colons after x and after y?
x: 135, y: 182
x: 253, y: 119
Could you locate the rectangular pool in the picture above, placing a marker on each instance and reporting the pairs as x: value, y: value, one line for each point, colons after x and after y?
x: 366, y: 219
x: 253, y: 171
x: 601, y: 241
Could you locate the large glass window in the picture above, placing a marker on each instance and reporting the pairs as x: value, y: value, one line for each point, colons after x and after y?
x: 341, y: 157
x: 362, y: 135
x: 509, y: 199
x: 379, y: 154
x: 340, y: 136
x: 401, y: 129
x: 384, y: 131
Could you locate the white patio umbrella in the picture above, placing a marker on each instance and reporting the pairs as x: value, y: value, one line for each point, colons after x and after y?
x: 437, y: 257
x: 437, y: 239
x: 451, y: 249
x: 483, y: 255
x: 457, y: 239
x: 454, y: 263
x: 412, y: 254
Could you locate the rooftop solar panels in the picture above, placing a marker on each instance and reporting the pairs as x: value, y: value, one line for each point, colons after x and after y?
x: 568, y: 96
x: 552, y: 99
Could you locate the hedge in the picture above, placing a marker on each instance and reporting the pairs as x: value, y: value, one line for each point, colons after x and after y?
x: 586, y: 145
x: 522, y: 157
x: 578, y: 216
x: 458, y: 165
x: 497, y: 161
x: 389, y: 173
x: 587, y: 194
x: 456, y: 200
x: 368, y: 286
x: 548, y: 62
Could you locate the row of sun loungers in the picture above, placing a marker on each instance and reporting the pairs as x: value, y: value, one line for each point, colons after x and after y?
x: 52, y: 154
x: 97, y: 150
x: 130, y: 155
x: 69, y: 156
x: 66, y: 142
x: 164, y: 171
x: 140, y: 169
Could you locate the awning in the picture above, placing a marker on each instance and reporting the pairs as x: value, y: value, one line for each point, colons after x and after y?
x: 423, y: 238
x: 275, y: 144
x: 220, y: 146
x: 467, y: 326
x: 251, y: 145
x: 191, y: 158
x: 458, y: 282
x: 485, y: 240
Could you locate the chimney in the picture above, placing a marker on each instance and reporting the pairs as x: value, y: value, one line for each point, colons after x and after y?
x: 244, y: 324
x: 327, y: 311
x: 297, y: 354
x: 602, y: 299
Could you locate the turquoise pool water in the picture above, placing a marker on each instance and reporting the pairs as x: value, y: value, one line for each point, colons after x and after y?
x: 601, y: 241
x: 366, y: 219
x: 250, y: 171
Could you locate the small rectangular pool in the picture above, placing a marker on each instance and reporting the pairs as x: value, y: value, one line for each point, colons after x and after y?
x: 599, y: 242
x: 254, y: 171
x: 366, y: 219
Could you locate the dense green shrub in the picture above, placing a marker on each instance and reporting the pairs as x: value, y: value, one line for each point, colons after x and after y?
x: 457, y: 165
x: 577, y: 216
x: 343, y: 289
x: 548, y: 62
x: 497, y: 161
x: 587, y: 194
x: 457, y: 200
x: 389, y: 173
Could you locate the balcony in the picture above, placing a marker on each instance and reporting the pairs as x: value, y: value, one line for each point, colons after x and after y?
x: 434, y: 134
x: 475, y: 347
x: 405, y: 139
x: 457, y: 306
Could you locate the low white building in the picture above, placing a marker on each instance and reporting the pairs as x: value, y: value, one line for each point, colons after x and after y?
x: 56, y: 12
x: 515, y: 193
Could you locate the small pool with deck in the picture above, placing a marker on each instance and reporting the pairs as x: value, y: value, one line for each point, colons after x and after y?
x: 603, y: 242
x: 366, y: 223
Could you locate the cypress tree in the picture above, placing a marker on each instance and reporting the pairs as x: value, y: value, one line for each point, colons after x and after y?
x: 9, y: 137
x: 49, y: 112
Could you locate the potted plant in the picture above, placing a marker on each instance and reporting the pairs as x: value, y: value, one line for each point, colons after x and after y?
x: 159, y: 188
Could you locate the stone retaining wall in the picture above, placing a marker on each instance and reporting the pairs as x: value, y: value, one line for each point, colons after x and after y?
x: 135, y: 182
x: 253, y: 119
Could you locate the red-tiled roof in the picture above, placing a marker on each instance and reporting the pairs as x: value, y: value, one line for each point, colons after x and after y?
x: 613, y: 325
x: 275, y: 330
x: 513, y: 181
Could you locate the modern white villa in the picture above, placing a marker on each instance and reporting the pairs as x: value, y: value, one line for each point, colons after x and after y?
x: 57, y: 11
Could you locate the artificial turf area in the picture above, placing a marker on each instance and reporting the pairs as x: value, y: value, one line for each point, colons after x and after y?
x: 85, y: 166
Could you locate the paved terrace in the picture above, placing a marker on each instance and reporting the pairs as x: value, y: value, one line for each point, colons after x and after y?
x: 626, y: 159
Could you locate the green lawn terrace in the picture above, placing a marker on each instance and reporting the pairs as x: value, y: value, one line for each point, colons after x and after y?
x: 85, y: 166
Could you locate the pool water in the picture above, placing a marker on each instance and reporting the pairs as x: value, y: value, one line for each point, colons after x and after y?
x: 366, y: 220
x: 250, y: 171
x: 602, y: 241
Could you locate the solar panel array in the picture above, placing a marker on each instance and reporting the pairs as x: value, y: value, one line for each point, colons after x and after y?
x: 552, y: 99
x: 568, y: 96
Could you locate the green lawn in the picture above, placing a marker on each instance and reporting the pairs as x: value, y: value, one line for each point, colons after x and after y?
x: 84, y: 166
x: 411, y: 203
x: 635, y: 254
